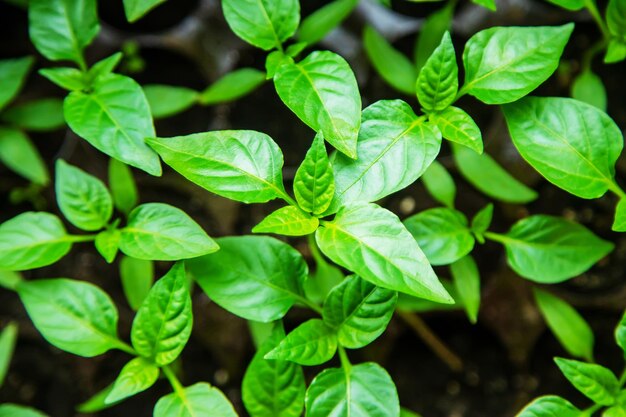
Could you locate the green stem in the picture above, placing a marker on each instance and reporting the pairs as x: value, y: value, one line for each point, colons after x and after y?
x: 315, y: 251
x: 617, y: 190
x: 125, y: 347
x: 591, y: 6
x: 81, y: 238
x: 288, y: 199
x: 622, y: 378
x: 174, y: 382
x: 345, y: 361
x: 497, y: 237
x: 588, y: 412
x: 591, y: 53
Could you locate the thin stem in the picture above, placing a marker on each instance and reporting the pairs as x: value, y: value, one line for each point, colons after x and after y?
x: 589, y: 411
x: 432, y: 340
x: 81, y: 238
x: 345, y: 361
x: 597, y: 16
x: 310, y: 304
x: 174, y: 382
x: 288, y: 199
x: 125, y: 347
x: 497, y: 237
x: 590, y: 54
x: 617, y: 189
x: 81, y: 62
x: 315, y: 251
x: 622, y: 378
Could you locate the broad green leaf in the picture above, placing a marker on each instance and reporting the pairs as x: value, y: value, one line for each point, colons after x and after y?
x: 273, y: 388
x: 198, y: 400
x: 503, y: 64
x: 595, y: 381
x: 442, y: 233
x: 359, y: 311
x: 255, y: 277
x: 484, y: 173
x: 288, y: 221
x: 168, y: 100
x: 431, y: 33
x: 572, y: 5
x: 439, y: 184
x: 588, y: 88
x: 32, y: 240
x: 38, y: 115
x: 619, y: 221
x: 392, y: 65
x: 616, y: 18
x: 615, y: 51
x: 620, y: 333
x: 8, y: 338
x: 108, y: 243
x: 549, y: 406
x: 466, y: 280
x: 615, y: 411
x: 314, y: 183
x: 395, y: 147
x: 14, y: 410
x: 135, y: 9
x: 373, y: 243
x: 163, y: 323
x: 572, y: 144
x: 122, y: 186
x: 136, y: 376
x: 319, y: 23
x: 19, y: 154
x: 265, y: 24
x: 137, y: 277
x: 160, y: 232
x: 438, y: 80
x: 242, y: 165
x: 322, y: 91
x: 74, y: 316
x: 13, y: 73
x: 550, y: 249
x: 61, y: 29
x: 65, y: 77
x: 363, y: 390
x: 488, y: 4
x: 311, y: 343
x: 83, y: 199
x: 459, y: 127
x: 482, y: 221
x: 115, y: 118
x: 569, y: 327
x: 232, y: 86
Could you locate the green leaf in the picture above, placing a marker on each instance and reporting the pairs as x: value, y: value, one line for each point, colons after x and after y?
x: 442, y: 233
x: 108, y: 243
x: 13, y: 74
x: 588, y: 88
x: 137, y: 276
x: 255, y: 277
x: 322, y: 91
x: 122, y: 185
x: 359, y: 311
x: 115, y: 118
x: 573, y: 5
x: 362, y: 390
x: 97, y: 401
x: 136, y: 376
x: 572, y: 144
x: 311, y: 343
x: 459, y: 127
x: 83, y: 199
x: 595, y: 381
x: 503, y: 64
x: 319, y: 23
x: 74, y: 316
x: 8, y: 338
x: 19, y: 154
x: 135, y: 9
x: 395, y: 68
x: 404, y: 412
x: 488, y: 4
x: 549, y: 406
x: 620, y: 333
x: 163, y: 323
x: 569, y: 327
x: 482, y: 221
x: 232, y: 86
x: 61, y: 29
x: 242, y: 165
x: 200, y: 399
x: 168, y: 100
x: 326, y: 277
x: 412, y: 304
x: 288, y: 221
x: 104, y: 67
x: 314, y: 182
x: 395, y: 147
x: 438, y: 81
x: 13, y: 410
x: 265, y: 24
x: 65, y: 77
x: 32, y: 240
x: 466, y: 280
x: 439, y: 184
x: 619, y: 221
x: 273, y: 388
x: 615, y: 51
x: 160, y: 232
x: 615, y: 411
x: 39, y: 115
x: 273, y: 61
x: 431, y: 33
x: 549, y: 249
x: 484, y: 173
x: 616, y: 18
x: 373, y: 243
x: 9, y: 279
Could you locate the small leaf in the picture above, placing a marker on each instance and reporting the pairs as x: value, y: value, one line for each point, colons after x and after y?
x: 8, y: 338
x: 322, y: 91
x: 319, y: 23
x: 103, y: 68
x: 288, y: 221
x: 482, y: 221
x: 136, y: 376
x: 255, y: 277
x: 135, y: 9
x: 122, y: 186
x: 14, y: 410
x: 200, y: 399
x: 168, y: 100
x: 439, y: 184
x: 615, y: 51
x: 311, y: 343
x: 573, y: 5
x: 13, y: 74
x: 588, y: 88
x: 314, y: 182
x: 595, y: 381
x: 65, y: 77
x: 160, y: 232
x: 488, y: 4
x: 108, y: 243
x: 438, y: 81
x: 19, y: 154
x: 466, y: 280
x: 232, y: 86
x: 620, y: 333
x: 549, y: 406
x: 569, y: 327
x: 32, y: 240
x: 459, y: 127
x: 433, y: 29
x: 137, y: 277
x: 359, y: 310
x: 163, y: 323
x: 38, y: 115
x: 74, y: 316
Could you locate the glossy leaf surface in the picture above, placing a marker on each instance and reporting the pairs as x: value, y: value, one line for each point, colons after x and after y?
x: 311, y: 343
